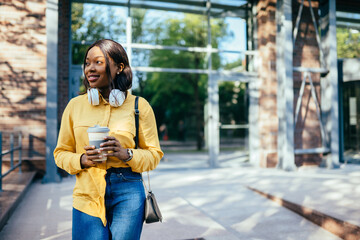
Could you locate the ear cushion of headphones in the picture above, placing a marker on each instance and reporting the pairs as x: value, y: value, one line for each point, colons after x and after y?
x: 116, y: 98
x: 93, y: 96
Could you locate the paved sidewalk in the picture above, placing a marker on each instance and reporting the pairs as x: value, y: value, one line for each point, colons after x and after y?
x: 199, y: 202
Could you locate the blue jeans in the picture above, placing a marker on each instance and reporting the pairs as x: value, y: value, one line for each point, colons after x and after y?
x: 124, y: 200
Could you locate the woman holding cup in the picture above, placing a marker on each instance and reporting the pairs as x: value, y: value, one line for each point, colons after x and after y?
x: 109, y: 195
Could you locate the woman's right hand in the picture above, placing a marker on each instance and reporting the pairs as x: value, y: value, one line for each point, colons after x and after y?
x: 87, y: 159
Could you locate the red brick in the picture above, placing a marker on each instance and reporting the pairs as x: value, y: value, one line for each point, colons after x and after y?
x: 306, y: 54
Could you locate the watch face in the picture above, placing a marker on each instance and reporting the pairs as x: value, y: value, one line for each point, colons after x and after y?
x: 130, y: 155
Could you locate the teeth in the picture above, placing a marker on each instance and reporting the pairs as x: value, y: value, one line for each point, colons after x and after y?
x: 93, y: 77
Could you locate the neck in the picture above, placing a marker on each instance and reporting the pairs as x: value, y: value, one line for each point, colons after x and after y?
x: 105, y: 92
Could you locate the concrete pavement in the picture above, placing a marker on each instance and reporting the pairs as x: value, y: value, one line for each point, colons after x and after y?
x: 199, y: 202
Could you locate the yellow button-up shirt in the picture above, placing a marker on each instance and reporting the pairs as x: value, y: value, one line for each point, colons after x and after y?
x: 78, y: 116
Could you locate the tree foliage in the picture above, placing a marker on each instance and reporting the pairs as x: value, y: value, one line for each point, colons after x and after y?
x: 175, y: 97
x: 348, y: 43
x: 103, y: 22
x: 180, y: 97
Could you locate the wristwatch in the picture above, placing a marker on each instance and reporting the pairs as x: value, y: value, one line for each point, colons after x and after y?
x: 130, y: 153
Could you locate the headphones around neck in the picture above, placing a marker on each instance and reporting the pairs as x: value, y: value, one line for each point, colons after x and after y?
x: 116, y: 97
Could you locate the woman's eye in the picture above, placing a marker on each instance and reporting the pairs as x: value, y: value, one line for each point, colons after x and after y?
x: 99, y: 62
x: 87, y: 64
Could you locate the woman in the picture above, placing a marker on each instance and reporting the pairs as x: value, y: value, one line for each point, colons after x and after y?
x: 108, y: 198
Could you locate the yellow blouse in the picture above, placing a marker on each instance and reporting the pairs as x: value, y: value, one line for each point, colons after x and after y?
x: 78, y: 116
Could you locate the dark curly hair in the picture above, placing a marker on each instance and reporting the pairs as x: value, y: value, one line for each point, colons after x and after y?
x: 116, y: 52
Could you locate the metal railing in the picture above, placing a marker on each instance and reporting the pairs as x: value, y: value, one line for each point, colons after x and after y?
x: 11, y: 152
x: 33, y: 141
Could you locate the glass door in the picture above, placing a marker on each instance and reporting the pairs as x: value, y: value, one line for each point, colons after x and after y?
x: 351, y: 103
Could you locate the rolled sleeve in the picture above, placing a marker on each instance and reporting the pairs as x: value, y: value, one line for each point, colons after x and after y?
x: 65, y: 152
x: 149, y: 154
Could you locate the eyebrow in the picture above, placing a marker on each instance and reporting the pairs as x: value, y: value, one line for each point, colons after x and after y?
x: 96, y: 57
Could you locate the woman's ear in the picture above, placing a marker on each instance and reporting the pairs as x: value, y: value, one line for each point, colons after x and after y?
x: 120, y: 67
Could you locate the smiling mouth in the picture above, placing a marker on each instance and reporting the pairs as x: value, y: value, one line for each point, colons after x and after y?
x: 93, y: 78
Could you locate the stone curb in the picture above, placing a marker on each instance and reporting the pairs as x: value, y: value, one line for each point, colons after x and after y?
x: 340, y: 228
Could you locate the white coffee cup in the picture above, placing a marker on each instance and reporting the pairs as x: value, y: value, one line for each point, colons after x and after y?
x: 96, y: 137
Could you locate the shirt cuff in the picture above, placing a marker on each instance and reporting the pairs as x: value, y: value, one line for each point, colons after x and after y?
x: 77, y: 163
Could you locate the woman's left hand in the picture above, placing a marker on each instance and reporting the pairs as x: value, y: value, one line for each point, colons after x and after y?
x: 113, y: 148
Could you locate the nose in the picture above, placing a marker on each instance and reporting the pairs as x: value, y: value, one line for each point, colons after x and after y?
x: 91, y: 67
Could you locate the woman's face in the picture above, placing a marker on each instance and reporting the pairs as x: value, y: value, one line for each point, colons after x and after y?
x: 95, y: 68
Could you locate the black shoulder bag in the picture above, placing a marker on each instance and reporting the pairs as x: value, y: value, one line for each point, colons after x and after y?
x: 152, y: 210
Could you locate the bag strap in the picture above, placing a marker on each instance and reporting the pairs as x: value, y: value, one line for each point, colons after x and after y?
x: 137, y: 113
x: 148, y: 190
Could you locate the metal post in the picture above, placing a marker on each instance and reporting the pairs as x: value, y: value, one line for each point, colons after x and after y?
x: 52, y: 90
x: 129, y: 34
x: 11, y: 150
x: 20, y: 151
x: 254, y: 95
x: 280, y: 81
x: 249, y: 44
x: 289, y: 157
x: 332, y: 63
x: 31, y: 145
x: 213, y: 102
x: 285, y: 95
x: 341, y: 112
x: 0, y: 161
x: 329, y: 83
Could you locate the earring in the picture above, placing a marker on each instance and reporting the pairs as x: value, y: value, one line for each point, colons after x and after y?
x: 118, y: 73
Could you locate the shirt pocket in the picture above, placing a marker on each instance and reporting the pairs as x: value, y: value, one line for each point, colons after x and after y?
x: 124, y: 131
x: 80, y: 134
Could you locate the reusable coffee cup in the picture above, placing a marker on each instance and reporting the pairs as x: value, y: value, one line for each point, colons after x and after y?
x: 96, y: 137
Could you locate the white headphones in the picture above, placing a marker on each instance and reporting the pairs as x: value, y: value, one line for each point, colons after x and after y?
x: 116, y: 97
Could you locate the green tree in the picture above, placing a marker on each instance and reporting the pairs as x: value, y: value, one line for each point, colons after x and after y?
x: 348, y: 43
x: 102, y: 22
x: 181, y: 97
x: 139, y: 33
x: 174, y: 96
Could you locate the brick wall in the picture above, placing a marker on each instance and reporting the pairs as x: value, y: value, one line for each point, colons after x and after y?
x: 23, y: 70
x: 306, y: 54
x: 268, y: 121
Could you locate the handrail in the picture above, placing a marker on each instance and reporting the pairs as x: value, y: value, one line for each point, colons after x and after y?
x: 32, y: 151
x: 11, y: 152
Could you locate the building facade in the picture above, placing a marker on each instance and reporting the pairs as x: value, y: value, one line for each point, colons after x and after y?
x: 297, y: 79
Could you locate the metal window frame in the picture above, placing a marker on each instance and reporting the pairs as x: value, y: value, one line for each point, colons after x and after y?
x: 51, y: 90
x: 329, y: 84
x: 285, y: 95
x: 307, y: 75
x: 195, y: 7
x: 214, y: 76
x: 329, y: 117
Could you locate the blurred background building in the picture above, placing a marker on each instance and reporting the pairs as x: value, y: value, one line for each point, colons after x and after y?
x: 277, y: 80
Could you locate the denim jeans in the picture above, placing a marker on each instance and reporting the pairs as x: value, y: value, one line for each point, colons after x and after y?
x: 124, y: 200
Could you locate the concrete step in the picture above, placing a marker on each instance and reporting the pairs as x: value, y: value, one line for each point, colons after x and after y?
x: 14, y: 188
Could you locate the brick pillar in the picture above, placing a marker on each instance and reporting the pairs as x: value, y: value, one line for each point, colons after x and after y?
x: 307, y: 54
x: 23, y: 70
x: 268, y: 121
